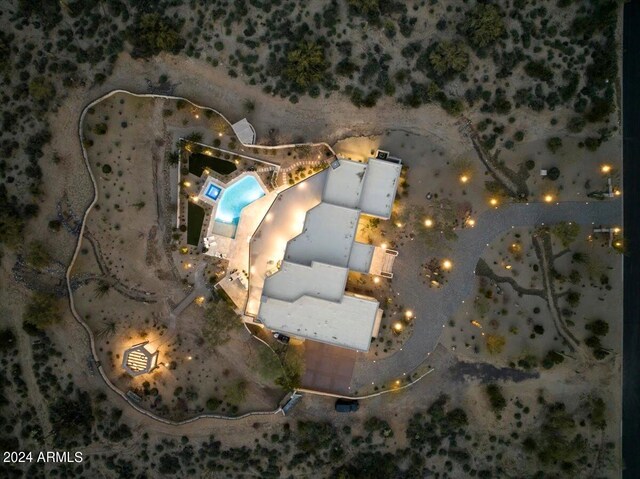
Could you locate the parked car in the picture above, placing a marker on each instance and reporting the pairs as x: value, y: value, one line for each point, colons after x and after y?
x: 347, y: 405
x: 284, y: 339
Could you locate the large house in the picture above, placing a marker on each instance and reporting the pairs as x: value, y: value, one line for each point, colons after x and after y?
x: 302, y: 252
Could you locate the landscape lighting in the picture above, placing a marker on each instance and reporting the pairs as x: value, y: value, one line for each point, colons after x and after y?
x: 397, y: 327
x: 428, y: 222
x: 376, y: 280
x: 464, y: 178
x: 493, y: 202
x: 471, y: 222
x: 383, y: 246
x: 446, y: 264
x: 548, y: 198
x: 605, y: 168
x: 408, y: 314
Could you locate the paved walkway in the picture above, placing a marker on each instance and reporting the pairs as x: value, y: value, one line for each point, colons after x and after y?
x: 434, y: 307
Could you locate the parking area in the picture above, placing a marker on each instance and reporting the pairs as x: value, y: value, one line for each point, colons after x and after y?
x: 328, y: 368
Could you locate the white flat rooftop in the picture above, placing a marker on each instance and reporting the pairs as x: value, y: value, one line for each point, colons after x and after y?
x: 295, y: 280
x: 344, y: 183
x: 348, y: 323
x: 327, y: 237
x: 361, y: 256
x: 380, y: 186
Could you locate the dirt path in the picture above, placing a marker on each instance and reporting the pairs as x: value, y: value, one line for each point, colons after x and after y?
x: 35, y: 396
x: 542, y: 246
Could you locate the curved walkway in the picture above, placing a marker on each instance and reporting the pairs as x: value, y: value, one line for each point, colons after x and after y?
x: 434, y: 307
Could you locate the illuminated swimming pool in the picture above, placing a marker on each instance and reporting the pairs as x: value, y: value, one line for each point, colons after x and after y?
x: 235, y: 197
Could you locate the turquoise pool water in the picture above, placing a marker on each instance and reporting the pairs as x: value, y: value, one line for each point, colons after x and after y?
x: 236, y: 197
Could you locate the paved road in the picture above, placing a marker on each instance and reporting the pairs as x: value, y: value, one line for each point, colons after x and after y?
x: 631, y: 151
x: 434, y: 307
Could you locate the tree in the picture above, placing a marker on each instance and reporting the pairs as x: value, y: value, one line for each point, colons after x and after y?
x: 221, y: 319
x: 153, y: 33
x: 483, y: 25
x: 306, y: 64
x: 448, y: 58
x: 42, y: 310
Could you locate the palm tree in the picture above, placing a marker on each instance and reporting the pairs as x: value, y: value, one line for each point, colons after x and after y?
x: 102, y: 288
x: 108, y: 330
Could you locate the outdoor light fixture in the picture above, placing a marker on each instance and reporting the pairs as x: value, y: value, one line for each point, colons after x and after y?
x: 397, y: 327
x: 408, y: 314
x: 197, y: 116
x: 428, y: 222
x: 399, y: 225
x: 471, y: 222
x: 548, y: 198
x: 446, y: 264
x: 493, y: 202
x: 464, y: 178
x: 383, y: 246
x: 219, y: 134
x: 187, y: 183
x: 376, y: 280
x: 616, y: 230
x: 605, y: 168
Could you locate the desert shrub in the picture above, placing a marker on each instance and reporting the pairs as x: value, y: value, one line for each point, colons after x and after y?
x: 576, y: 124
x: 496, y: 399
x: 305, y: 64
x: 213, y: 403
x: 528, y: 362
x: 566, y: 232
x: 153, y: 33
x: 236, y: 392
x: 100, y: 129
x: 597, y: 412
x: 573, y: 298
x: 597, y: 327
x: 592, y: 143
x: 7, y: 339
x: 220, y: 320
x: 314, y: 436
x: 42, y: 310
x: 448, y: 58
x: 495, y: 343
x: 483, y: 25
x: 552, y: 358
x: 38, y: 254
x: 539, y: 71
x: 169, y: 464
x: 554, y: 144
